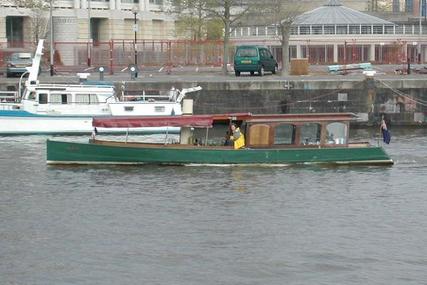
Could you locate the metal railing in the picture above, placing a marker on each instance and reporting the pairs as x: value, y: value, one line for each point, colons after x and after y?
x: 9, y: 96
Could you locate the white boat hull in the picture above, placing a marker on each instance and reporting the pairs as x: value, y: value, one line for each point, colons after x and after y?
x: 69, y: 108
x: 64, y: 125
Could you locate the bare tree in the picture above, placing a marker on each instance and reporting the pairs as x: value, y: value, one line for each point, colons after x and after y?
x: 229, y: 12
x: 283, y: 14
x: 380, y: 5
x: 38, y: 16
x: 192, y: 18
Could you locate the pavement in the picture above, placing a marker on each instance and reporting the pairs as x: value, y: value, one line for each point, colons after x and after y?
x: 214, y: 74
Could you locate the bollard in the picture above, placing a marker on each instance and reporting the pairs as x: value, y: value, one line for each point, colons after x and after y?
x: 133, y: 71
x: 101, y: 70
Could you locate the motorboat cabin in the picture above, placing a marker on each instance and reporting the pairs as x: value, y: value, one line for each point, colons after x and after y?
x: 296, y: 130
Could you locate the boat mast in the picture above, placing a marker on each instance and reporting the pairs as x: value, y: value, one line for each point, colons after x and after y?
x: 34, y: 68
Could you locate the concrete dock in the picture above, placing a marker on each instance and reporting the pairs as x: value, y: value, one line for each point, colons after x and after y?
x: 402, y: 97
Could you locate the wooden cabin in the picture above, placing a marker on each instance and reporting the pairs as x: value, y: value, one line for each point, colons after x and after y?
x: 296, y: 130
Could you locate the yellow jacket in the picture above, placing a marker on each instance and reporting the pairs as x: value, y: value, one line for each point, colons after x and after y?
x: 238, y: 138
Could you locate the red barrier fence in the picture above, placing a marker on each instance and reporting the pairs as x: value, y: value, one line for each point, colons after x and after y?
x: 116, y: 55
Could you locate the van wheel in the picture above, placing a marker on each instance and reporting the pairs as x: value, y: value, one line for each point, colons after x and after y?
x: 237, y: 73
x: 252, y: 73
x: 261, y: 71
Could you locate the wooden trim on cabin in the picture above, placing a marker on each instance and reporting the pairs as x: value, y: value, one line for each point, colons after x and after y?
x: 256, y: 142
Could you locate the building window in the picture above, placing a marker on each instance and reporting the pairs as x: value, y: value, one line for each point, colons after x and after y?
x: 378, y: 30
x: 271, y: 31
x: 245, y: 31
x: 389, y: 30
x: 354, y: 29
x: 156, y: 2
x: 408, y: 29
x: 399, y: 29
x: 253, y: 31
x: 409, y: 6
x: 329, y: 30
x: 316, y: 30
x: 366, y: 30
x: 294, y: 30
x: 304, y: 30
x: 341, y: 30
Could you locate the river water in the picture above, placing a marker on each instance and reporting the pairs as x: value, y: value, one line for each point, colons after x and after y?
x: 213, y: 225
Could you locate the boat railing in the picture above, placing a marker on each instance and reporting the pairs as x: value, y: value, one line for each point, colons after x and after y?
x: 146, y: 97
x: 9, y: 106
x: 8, y: 96
x: 64, y: 85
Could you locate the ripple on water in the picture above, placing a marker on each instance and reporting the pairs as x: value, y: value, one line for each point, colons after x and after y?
x: 212, y: 225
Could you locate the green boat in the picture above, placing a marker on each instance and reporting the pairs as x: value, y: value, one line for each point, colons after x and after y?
x: 270, y: 140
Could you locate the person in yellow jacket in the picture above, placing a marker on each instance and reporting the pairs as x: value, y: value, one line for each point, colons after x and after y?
x: 237, y: 137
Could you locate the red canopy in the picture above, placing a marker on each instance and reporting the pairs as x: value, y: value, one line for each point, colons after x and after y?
x: 206, y: 121
x: 169, y: 121
x: 194, y: 121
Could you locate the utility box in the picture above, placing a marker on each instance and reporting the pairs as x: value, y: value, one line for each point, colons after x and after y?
x: 299, y: 66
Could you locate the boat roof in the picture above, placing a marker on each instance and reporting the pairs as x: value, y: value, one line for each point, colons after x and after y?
x: 207, y: 121
x: 302, y: 118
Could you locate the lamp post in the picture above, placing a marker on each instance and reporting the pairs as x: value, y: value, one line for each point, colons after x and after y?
x: 51, y: 38
x: 419, y: 32
x: 135, y: 29
x: 89, y: 36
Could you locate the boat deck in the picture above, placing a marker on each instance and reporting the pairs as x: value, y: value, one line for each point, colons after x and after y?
x: 219, y: 147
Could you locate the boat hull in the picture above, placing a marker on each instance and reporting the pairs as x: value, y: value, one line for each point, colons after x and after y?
x: 98, y: 153
x: 39, y: 125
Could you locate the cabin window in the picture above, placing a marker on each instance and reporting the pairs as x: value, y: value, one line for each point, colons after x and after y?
x: 42, y: 98
x: 336, y: 133
x: 86, y: 98
x: 64, y: 98
x: 284, y: 134
x: 32, y: 95
x: 159, y: 109
x: 128, y: 108
x: 310, y: 134
x: 60, y: 98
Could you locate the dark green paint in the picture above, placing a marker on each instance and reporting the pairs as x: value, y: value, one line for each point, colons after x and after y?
x: 84, y: 153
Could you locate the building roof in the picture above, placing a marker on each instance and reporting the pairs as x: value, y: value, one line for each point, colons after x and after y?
x: 334, y: 13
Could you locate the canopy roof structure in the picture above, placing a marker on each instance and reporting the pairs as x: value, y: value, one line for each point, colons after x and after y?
x: 191, y: 121
x: 207, y: 121
x: 334, y: 13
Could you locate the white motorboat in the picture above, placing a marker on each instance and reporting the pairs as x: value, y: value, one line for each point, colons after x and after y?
x: 69, y: 108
